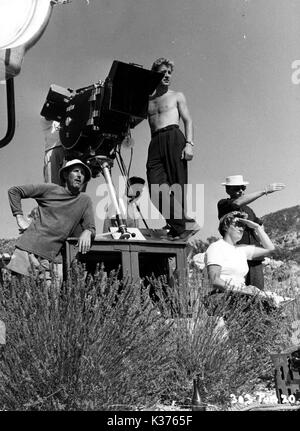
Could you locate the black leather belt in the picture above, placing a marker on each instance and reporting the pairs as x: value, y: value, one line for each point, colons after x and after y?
x: 164, y: 129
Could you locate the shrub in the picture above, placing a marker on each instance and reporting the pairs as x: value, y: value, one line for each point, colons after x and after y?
x: 7, y: 245
x: 86, y: 346
x: 102, y: 343
x: 228, y: 357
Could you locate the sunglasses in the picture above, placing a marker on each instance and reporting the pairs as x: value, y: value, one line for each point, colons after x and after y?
x: 238, y: 223
x: 237, y: 187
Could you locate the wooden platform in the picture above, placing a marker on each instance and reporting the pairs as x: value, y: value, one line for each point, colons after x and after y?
x: 135, y: 258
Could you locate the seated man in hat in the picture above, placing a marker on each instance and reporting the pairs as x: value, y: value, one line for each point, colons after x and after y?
x: 61, y: 209
x: 238, y: 200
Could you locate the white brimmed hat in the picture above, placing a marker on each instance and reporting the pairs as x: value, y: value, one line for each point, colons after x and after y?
x: 68, y: 164
x: 235, y: 180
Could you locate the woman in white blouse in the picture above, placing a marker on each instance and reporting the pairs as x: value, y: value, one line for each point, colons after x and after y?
x: 227, y: 262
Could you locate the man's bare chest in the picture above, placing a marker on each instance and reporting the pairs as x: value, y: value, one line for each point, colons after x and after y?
x: 162, y: 104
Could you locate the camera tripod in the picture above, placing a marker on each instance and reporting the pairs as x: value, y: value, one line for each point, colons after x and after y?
x: 103, y: 164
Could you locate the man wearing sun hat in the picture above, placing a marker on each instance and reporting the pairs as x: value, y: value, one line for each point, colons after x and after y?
x: 61, y: 209
x: 238, y: 200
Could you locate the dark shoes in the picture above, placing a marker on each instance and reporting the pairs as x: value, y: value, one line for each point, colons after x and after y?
x: 189, y: 220
x: 190, y: 229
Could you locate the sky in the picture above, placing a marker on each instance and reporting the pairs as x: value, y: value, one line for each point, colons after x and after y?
x: 233, y: 62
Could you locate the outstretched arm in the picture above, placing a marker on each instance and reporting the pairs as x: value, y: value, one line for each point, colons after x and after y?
x: 250, y: 197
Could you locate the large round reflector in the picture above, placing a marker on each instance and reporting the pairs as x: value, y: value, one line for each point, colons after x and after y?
x: 22, y: 21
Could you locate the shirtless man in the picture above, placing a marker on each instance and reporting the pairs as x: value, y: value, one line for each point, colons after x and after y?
x: 169, y: 151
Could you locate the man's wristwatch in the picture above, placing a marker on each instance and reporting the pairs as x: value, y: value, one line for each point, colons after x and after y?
x: 190, y: 142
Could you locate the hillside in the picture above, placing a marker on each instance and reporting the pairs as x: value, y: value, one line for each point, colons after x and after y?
x: 283, y: 227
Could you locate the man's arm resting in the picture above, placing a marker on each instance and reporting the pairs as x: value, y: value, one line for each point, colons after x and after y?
x: 88, y: 224
x: 184, y: 114
x: 84, y: 241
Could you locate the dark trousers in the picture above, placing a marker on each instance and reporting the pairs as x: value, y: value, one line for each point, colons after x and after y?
x: 255, y: 276
x: 167, y: 175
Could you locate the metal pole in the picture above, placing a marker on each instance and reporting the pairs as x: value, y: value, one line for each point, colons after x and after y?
x: 139, y: 210
x: 111, y: 189
x: 11, y: 117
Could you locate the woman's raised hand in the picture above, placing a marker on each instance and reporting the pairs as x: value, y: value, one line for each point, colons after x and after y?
x: 249, y: 223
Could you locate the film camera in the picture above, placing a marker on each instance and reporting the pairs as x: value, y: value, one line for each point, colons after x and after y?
x: 95, y: 119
